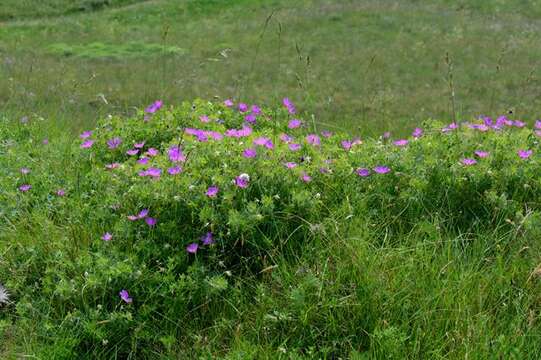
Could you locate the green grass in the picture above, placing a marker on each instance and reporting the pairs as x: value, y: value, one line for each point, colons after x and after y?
x: 125, y: 51
x: 368, y: 64
x: 17, y: 9
x: 434, y: 260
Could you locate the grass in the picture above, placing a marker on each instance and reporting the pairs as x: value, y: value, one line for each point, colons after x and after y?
x: 24, y: 9
x: 368, y: 65
x: 435, y: 259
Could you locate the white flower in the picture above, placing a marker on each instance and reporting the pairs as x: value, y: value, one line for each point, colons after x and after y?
x: 245, y: 177
x: 4, y: 295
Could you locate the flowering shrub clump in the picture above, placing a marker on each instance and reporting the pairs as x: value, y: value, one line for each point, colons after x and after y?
x: 153, y: 210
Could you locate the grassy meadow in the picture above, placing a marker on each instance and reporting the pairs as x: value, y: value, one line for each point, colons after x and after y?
x: 371, y: 65
x: 249, y: 179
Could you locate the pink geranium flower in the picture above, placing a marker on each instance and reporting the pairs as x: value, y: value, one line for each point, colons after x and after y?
x: 212, y: 191
x: 125, y: 296
x: 107, y: 237
x: 192, y: 248
x: 295, y: 123
x: 468, y: 161
x: 524, y: 154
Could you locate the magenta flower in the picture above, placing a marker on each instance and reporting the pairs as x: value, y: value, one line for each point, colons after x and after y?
x: 326, y: 134
x: 107, y: 237
x: 524, y: 154
x: 295, y: 123
x: 151, y: 109
x: 45, y: 141
x: 290, y: 165
x: 251, y: 118
x: 143, y: 161
x: 363, y: 172
x: 482, y: 154
x: 480, y: 127
x: 243, y: 107
x: 151, y: 222
x: 85, y: 134
x: 152, y: 172
x: 538, y: 132
x: 132, y: 152
x: 152, y: 152
x: 249, y: 153
x: 468, y: 161
x: 199, y: 134
x: 289, y: 105
x: 25, y: 187
x: 61, y: 192
x: 324, y: 170
x: 139, y: 145
x: 214, y: 135
x: 256, y: 110
x: 382, y: 169
x: 112, y: 166
x: 346, y: 144
x: 261, y: 140
x: 87, y: 144
x: 242, y: 180
x: 142, y: 214
x: 228, y: 103
x: 294, y: 147
x: 204, y: 118
x: 175, y: 154
x: 207, y: 239
x: 245, y: 131
x: 401, y: 142
x: 313, y: 139
x: 264, y: 141
x: 25, y: 171
x: 125, y: 296
x: 538, y: 124
x: 386, y: 135
x: 114, y: 143
x: 192, y: 248
x: 305, y: 177
x: 212, y: 191
x: 132, y: 217
x: 500, y: 122
x: 417, y: 133
x: 174, y: 170
x: 519, y: 124
x: 286, y: 138
x: 450, y: 127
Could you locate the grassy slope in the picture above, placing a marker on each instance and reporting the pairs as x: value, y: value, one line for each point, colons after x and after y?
x: 373, y: 64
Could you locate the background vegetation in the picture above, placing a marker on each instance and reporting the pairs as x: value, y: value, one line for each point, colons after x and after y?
x: 364, y: 64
